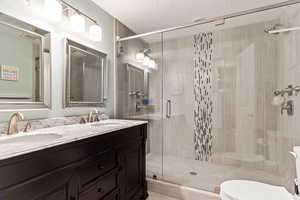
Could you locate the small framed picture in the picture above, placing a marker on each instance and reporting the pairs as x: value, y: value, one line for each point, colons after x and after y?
x: 9, y: 73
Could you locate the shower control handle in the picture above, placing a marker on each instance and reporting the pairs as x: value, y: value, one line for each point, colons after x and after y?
x: 169, y: 109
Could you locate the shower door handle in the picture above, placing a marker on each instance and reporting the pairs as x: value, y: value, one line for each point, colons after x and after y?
x: 169, y: 109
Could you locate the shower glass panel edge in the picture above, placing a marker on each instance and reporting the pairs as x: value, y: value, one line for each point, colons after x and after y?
x: 139, y: 69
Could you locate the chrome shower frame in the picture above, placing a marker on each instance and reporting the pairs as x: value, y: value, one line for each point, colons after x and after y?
x: 217, y: 20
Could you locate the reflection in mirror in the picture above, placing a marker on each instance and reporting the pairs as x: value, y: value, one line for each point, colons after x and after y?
x: 24, y: 65
x: 86, y: 72
x: 136, y: 80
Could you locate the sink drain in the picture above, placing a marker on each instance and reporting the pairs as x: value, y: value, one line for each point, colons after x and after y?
x: 193, y: 173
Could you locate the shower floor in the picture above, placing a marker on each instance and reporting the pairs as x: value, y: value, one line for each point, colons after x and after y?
x: 204, y: 176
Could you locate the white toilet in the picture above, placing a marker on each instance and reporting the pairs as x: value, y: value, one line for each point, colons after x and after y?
x: 250, y: 190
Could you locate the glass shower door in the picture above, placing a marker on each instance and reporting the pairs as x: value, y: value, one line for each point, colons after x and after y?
x: 219, y: 121
x: 179, y: 161
x: 210, y: 94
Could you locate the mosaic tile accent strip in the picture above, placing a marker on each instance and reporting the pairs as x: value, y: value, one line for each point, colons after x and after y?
x: 203, y: 96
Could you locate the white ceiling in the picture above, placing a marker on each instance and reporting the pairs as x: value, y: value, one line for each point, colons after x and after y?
x: 148, y: 15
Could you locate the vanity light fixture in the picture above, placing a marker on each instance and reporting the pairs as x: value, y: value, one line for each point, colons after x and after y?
x: 53, y: 10
x: 77, y: 23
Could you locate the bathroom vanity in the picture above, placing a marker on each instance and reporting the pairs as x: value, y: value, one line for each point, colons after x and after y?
x: 103, y: 160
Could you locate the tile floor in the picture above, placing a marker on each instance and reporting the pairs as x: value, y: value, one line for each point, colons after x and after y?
x: 157, y: 196
x: 208, y: 175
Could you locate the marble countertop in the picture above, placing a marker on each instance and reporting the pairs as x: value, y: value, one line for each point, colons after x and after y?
x: 23, y: 143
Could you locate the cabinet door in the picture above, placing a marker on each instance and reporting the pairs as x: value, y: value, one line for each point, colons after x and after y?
x: 132, y: 170
x: 56, y: 185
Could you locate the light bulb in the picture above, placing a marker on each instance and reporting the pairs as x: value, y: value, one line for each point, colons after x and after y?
x: 95, y: 33
x: 53, y: 10
x: 152, y: 64
x: 77, y: 23
x: 146, y: 60
x: 27, y: 2
x: 139, y: 57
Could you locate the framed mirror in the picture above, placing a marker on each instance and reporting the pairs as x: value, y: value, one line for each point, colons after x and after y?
x: 86, y: 72
x: 25, y: 67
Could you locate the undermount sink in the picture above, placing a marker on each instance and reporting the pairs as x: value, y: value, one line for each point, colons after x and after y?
x: 104, y: 123
x: 37, y: 138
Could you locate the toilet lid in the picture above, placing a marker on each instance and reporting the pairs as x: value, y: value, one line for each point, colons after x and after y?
x: 250, y: 190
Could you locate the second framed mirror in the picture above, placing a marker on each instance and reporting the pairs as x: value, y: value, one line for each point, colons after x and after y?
x: 86, y: 75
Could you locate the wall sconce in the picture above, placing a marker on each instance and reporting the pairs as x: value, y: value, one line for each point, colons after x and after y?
x: 53, y: 10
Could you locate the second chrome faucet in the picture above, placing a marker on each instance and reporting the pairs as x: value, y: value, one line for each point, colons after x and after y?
x: 94, y: 116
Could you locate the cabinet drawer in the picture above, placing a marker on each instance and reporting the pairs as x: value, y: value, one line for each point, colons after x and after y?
x: 100, y: 189
x: 97, y: 166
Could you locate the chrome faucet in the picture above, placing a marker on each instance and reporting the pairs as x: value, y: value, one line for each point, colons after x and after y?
x: 90, y: 117
x: 12, y: 124
x: 96, y: 118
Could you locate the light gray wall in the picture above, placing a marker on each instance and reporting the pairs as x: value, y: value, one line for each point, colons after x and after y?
x: 33, y: 14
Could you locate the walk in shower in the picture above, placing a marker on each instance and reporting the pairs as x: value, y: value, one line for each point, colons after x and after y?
x: 207, y: 92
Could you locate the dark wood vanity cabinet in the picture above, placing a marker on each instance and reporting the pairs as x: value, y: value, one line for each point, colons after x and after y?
x: 109, y: 167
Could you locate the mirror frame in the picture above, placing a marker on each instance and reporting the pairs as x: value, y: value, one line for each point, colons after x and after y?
x: 104, y: 73
x: 45, y: 62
